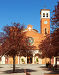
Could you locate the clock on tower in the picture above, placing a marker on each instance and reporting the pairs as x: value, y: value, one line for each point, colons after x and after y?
x: 45, y: 21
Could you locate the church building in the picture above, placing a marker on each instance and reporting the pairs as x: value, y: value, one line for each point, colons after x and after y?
x: 34, y: 39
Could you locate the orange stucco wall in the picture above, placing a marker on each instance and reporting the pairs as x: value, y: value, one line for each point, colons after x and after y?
x: 43, y: 26
x: 38, y: 37
x: 10, y: 60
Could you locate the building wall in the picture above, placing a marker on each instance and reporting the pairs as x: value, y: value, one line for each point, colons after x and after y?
x: 36, y: 36
x: 34, y: 58
x: 43, y: 25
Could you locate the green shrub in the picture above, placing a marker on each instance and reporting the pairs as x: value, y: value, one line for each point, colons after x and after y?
x: 37, y: 60
x: 22, y: 60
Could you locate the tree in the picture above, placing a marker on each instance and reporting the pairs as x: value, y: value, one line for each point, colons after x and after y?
x: 55, y: 23
x: 55, y: 41
x: 46, y: 47
x: 14, y: 42
x: 55, y: 26
x: 55, y: 17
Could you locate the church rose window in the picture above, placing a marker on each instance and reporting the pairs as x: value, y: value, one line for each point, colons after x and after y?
x: 30, y: 41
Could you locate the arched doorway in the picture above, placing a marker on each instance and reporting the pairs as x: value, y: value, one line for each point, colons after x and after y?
x: 29, y: 60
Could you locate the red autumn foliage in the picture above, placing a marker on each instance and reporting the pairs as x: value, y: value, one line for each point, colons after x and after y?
x: 46, y: 47
x: 55, y: 25
x: 55, y: 17
x: 14, y: 42
x: 55, y: 41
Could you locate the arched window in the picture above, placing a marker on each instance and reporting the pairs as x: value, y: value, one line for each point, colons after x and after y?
x: 43, y: 14
x: 45, y: 30
x: 46, y: 14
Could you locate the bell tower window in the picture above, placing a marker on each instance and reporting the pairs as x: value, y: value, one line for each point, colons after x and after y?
x: 43, y: 14
x: 46, y: 14
x: 45, y: 30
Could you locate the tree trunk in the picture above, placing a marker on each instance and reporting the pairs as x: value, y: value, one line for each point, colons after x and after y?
x: 13, y: 63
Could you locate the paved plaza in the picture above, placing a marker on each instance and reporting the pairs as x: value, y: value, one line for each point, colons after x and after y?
x: 32, y: 69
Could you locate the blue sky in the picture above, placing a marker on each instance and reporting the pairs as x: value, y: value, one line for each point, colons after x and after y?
x: 23, y: 11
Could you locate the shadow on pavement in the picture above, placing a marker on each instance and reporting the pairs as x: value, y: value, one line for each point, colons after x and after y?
x: 1, y: 67
x: 18, y: 71
x: 54, y: 72
x: 51, y: 74
x: 42, y: 67
x: 51, y: 70
x: 15, y: 67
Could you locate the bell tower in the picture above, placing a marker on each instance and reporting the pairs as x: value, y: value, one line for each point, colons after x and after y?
x: 45, y: 21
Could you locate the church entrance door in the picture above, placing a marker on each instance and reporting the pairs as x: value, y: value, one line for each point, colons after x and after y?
x: 29, y: 60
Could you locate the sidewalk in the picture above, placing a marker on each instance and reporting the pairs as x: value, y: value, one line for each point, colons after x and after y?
x: 33, y: 69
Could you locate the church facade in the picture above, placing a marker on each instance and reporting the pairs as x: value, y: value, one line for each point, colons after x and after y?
x: 34, y: 39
